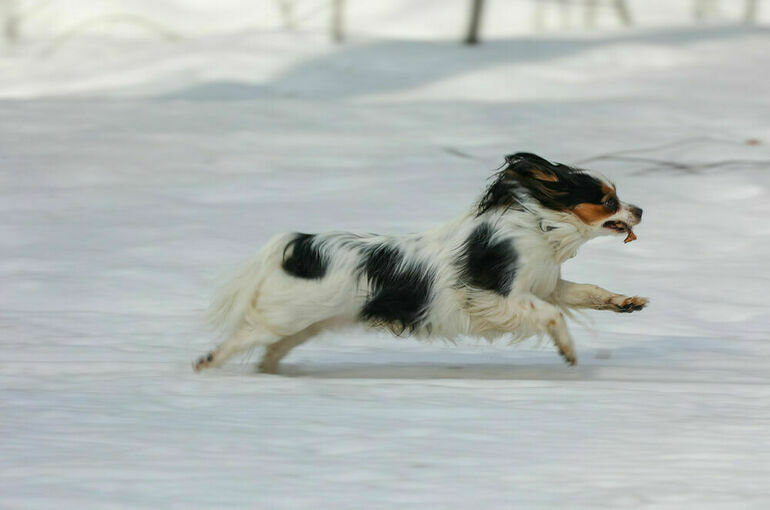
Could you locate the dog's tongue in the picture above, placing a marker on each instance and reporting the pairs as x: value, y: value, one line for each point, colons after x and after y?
x: 630, y: 237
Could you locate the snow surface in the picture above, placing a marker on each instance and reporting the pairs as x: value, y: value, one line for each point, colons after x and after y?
x: 134, y: 172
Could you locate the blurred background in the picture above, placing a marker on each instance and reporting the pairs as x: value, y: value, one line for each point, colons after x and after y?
x: 148, y: 146
x: 150, y: 47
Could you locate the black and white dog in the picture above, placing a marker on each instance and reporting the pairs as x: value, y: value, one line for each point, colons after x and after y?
x: 494, y: 270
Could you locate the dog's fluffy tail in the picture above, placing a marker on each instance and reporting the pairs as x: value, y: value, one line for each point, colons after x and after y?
x: 236, y: 299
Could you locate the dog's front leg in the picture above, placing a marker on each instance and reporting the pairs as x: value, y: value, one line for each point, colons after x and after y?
x: 585, y: 295
x: 523, y: 315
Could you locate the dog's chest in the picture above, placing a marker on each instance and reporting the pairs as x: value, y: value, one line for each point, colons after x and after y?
x: 543, y: 279
x: 538, y: 274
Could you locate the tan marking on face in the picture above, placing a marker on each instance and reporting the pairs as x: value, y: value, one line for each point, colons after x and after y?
x: 608, y: 192
x: 591, y: 213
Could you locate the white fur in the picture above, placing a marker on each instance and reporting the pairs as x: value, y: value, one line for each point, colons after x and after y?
x: 264, y: 306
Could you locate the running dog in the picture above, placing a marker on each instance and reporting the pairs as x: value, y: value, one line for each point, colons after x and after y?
x: 494, y: 270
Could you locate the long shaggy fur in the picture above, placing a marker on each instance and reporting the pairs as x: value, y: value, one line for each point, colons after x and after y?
x: 494, y: 270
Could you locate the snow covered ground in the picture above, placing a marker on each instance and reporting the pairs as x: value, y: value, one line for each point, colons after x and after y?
x: 133, y: 172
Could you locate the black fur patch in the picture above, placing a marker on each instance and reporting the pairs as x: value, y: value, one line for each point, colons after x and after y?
x: 305, y: 259
x: 400, y: 290
x: 504, y: 193
x: 554, y: 185
x: 486, y: 263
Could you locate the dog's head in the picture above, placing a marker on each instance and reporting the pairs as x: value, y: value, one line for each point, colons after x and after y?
x: 588, y: 198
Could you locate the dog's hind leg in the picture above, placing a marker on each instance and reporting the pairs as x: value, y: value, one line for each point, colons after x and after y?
x: 246, y: 337
x: 274, y: 353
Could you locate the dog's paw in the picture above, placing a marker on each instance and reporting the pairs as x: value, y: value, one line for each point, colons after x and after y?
x: 624, y: 304
x: 204, y: 361
x: 568, y: 353
x: 267, y: 367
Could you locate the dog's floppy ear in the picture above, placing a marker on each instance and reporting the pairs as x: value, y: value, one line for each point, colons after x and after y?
x: 532, y: 166
x: 547, y: 182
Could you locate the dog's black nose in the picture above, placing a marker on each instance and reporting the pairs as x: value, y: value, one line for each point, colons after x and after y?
x: 637, y: 211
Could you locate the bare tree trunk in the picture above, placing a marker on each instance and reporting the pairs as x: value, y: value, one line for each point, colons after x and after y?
x: 704, y: 9
x: 475, y: 21
x: 590, y: 13
x: 751, y: 11
x: 565, y: 11
x: 698, y: 10
x: 287, y: 13
x: 11, y: 19
x: 624, y: 13
x: 538, y: 16
x: 338, y: 28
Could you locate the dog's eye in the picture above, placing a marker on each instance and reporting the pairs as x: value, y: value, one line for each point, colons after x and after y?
x: 611, y: 204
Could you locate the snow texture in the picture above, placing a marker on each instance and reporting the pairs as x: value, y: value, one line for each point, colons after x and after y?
x: 133, y: 172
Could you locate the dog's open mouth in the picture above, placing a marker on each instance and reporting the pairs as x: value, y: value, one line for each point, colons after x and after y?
x: 620, y: 227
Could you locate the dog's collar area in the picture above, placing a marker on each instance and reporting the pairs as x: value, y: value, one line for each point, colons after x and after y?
x: 546, y: 228
x: 563, y: 241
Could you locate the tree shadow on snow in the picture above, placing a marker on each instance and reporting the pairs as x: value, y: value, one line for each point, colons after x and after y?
x: 393, y: 65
